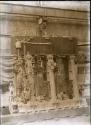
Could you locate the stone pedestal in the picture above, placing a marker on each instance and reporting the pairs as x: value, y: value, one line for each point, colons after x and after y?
x: 52, y: 85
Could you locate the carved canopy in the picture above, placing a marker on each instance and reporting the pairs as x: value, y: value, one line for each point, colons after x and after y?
x: 53, y: 45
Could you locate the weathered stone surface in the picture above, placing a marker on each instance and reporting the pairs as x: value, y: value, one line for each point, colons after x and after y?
x: 17, y: 24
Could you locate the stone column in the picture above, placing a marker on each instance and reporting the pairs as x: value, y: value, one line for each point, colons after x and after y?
x: 73, y: 77
x: 50, y: 70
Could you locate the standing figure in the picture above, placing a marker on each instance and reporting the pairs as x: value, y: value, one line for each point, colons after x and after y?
x: 26, y: 90
x: 29, y: 67
x: 29, y: 63
x: 50, y: 74
x: 19, y: 78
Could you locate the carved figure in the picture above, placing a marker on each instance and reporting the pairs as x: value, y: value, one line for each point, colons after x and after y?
x: 50, y: 65
x: 29, y: 66
x: 50, y: 74
x: 19, y: 78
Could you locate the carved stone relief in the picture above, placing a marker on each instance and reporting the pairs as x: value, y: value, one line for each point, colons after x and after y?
x: 42, y: 79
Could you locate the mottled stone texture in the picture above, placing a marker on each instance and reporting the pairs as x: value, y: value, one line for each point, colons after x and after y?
x: 21, y: 23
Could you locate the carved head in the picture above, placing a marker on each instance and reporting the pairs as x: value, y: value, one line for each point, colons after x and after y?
x: 49, y: 57
x: 18, y: 44
x: 29, y: 57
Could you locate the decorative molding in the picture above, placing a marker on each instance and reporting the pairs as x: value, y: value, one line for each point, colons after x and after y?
x: 10, y: 16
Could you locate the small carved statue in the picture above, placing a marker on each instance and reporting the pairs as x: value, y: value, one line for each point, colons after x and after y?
x: 20, y: 74
x: 29, y: 64
x: 29, y: 67
x: 50, y: 64
x: 50, y: 76
x: 26, y: 89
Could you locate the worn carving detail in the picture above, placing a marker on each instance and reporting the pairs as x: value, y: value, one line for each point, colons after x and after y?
x: 42, y: 79
x: 81, y: 58
x: 50, y: 70
x: 38, y: 77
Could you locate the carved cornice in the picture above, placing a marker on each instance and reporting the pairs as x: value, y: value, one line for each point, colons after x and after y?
x: 16, y: 12
x: 33, y: 18
x: 81, y: 42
